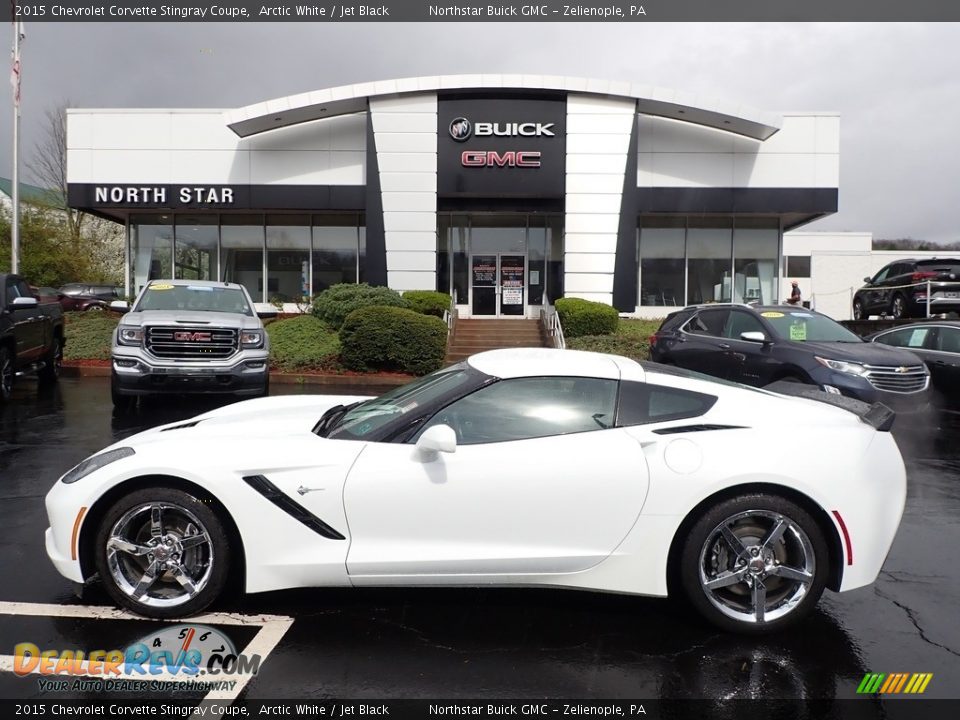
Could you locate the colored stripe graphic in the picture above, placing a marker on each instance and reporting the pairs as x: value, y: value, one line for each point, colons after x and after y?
x: 894, y: 683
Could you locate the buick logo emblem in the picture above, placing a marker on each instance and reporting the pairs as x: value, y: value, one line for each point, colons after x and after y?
x: 460, y: 129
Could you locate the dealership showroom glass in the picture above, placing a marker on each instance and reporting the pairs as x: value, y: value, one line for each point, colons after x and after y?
x: 505, y: 191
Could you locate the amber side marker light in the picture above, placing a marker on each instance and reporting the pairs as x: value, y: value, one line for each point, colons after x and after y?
x: 76, y: 531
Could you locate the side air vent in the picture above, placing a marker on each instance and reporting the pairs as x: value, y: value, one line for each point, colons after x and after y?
x: 695, y: 428
x: 275, y: 495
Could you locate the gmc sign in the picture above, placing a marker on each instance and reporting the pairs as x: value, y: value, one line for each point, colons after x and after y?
x: 187, y: 336
x: 508, y: 158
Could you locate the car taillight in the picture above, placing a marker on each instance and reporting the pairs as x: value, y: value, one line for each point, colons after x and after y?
x: 918, y: 276
x: 652, y: 340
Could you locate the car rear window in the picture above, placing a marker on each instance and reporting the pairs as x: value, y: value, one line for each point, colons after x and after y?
x: 643, y: 403
x: 946, y: 265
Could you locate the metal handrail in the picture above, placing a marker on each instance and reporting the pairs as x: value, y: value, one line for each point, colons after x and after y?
x: 551, y: 323
x: 449, y: 317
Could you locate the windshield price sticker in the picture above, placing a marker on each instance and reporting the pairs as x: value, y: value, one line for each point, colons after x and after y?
x: 771, y: 314
x: 161, y: 287
x: 798, y: 332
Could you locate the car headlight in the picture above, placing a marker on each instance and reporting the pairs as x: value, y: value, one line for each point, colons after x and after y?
x: 843, y: 366
x: 96, y: 462
x: 130, y: 336
x: 251, y: 338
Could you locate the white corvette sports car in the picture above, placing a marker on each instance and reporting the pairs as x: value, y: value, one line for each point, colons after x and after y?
x: 517, y: 467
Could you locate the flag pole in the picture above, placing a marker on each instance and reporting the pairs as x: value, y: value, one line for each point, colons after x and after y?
x: 15, y: 194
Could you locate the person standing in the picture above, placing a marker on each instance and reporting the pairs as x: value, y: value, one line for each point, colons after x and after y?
x: 795, y: 296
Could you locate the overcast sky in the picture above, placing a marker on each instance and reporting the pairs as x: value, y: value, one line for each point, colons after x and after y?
x: 897, y: 86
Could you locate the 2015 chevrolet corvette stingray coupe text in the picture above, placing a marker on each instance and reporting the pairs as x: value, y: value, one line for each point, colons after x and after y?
x: 528, y: 467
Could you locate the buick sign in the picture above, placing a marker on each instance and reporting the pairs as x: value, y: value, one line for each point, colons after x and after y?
x: 460, y: 129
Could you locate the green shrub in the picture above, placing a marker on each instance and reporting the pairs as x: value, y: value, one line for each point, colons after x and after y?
x: 427, y: 302
x: 585, y: 317
x: 392, y: 338
x: 631, y: 347
x: 88, y: 335
x: 302, y: 343
x: 336, y: 302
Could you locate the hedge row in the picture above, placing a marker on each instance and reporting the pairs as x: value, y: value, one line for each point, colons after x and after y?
x: 392, y: 338
x: 336, y: 302
x: 585, y: 317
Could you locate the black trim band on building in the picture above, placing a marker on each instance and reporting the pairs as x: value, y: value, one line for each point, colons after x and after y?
x: 376, y: 257
x: 102, y: 197
x: 765, y: 201
x: 625, y: 270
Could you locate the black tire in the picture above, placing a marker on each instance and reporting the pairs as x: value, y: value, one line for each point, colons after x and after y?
x: 52, y: 362
x: 266, y: 387
x: 858, y: 310
x: 707, y: 556
x: 7, y: 373
x: 205, y: 563
x: 121, y: 403
x: 898, y: 307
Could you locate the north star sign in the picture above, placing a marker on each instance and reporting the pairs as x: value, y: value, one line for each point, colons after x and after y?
x: 161, y: 195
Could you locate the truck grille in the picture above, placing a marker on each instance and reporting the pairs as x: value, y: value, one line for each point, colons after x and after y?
x: 892, y: 378
x: 191, y: 343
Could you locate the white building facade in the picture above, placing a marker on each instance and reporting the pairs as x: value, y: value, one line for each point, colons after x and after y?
x: 505, y: 191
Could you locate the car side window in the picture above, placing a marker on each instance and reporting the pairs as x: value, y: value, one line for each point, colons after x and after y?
x: 707, y: 322
x: 524, y: 408
x: 882, y: 275
x: 11, y: 292
x: 906, y: 337
x: 643, y: 403
x: 741, y: 322
x: 23, y: 289
x: 948, y: 340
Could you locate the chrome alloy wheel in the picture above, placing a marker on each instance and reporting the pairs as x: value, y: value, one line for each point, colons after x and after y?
x: 159, y: 554
x: 756, y: 566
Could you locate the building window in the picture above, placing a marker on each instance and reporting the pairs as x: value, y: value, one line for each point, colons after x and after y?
x: 536, y: 259
x: 336, y: 250
x: 756, y: 247
x: 662, y: 261
x: 796, y: 266
x: 288, y: 258
x: 195, y: 247
x: 151, y: 246
x: 709, y: 260
x: 241, y: 253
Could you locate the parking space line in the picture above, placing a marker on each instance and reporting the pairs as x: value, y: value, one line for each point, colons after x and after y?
x: 272, y: 630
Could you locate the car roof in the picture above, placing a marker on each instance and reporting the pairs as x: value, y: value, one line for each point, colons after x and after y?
x: 537, y: 362
x: 195, y: 283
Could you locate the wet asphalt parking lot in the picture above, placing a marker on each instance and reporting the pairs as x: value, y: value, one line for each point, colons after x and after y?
x: 485, y: 643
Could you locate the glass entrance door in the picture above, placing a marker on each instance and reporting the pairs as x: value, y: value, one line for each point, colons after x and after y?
x: 498, y: 285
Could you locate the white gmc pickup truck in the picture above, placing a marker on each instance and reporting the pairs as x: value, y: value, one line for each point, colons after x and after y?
x: 189, y: 336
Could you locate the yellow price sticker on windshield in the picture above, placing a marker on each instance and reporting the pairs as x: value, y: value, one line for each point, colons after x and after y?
x: 771, y: 314
x: 161, y: 287
x: 798, y: 332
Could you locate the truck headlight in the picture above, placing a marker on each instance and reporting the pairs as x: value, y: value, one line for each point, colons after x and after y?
x: 130, y: 336
x: 251, y: 338
x: 843, y: 366
x: 95, y: 463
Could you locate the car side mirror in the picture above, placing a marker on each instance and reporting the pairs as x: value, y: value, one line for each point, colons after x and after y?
x: 754, y: 336
x: 867, y: 279
x: 439, y: 438
x: 120, y: 306
x: 24, y: 302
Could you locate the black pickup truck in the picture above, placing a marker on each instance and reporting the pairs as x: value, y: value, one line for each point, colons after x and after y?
x: 31, y: 335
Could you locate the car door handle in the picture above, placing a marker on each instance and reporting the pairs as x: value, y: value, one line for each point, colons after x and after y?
x: 939, y: 362
x: 724, y: 346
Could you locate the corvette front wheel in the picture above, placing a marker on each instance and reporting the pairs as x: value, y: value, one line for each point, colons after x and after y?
x: 162, y: 553
x: 754, y: 564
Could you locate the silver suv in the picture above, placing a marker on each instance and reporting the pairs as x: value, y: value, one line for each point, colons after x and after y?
x: 189, y: 336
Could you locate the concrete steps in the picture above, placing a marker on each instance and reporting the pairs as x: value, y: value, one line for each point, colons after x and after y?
x: 475, y: 336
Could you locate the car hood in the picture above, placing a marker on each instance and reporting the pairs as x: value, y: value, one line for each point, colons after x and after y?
x: 271, y: 417
x: 191, y: 317
x: 863, y: 352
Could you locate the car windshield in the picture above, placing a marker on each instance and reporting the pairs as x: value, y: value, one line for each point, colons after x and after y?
x: 801, y: 326
x: 164, y: 296
x: 359, y: 420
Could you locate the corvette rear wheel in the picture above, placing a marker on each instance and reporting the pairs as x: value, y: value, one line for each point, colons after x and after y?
x: 754, y: 564
x: 162, y: 553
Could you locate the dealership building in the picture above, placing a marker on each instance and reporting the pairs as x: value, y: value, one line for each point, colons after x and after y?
x: 506, y: 191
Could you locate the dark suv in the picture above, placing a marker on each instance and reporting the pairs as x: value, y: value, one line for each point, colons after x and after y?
x: 900, y: 289
x: 759, y: 345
